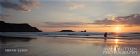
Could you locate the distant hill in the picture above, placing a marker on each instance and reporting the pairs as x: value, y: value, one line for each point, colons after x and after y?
x: 12, y: 27
x: 66, y: 31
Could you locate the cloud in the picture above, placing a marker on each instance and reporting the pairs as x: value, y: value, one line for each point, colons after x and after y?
x: 132, y: 19
x: 22, y: 5
x: 73, y: 6
x: 127, y: 21
x: 19, y: 5
x: 71, y: 24
x: 129, y: 1
x: 93, y: 0
x: 63, y: 24
x: 3, y: 16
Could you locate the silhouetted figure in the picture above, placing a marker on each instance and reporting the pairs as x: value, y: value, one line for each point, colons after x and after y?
x: 85, y: 31
x: 105, y: 36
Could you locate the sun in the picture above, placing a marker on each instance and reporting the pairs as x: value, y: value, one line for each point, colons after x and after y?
x: 117, y: 28
x: 116, y: 41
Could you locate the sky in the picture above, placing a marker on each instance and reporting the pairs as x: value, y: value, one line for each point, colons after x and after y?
x: 77, y: 15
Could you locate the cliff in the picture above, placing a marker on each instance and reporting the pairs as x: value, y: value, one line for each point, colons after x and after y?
x: 12, y: 27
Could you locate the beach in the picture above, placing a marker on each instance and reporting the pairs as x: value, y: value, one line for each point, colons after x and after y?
x: 66, y: 46
x: 69, y: 27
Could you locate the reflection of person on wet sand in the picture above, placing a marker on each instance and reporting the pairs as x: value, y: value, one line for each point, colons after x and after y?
x: 105, y: 36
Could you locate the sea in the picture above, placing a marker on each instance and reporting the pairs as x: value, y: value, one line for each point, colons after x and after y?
x: 69, y: 44
x: 71, y: 34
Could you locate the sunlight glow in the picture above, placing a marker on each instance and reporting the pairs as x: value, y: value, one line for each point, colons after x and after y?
x: 118, y: 28
x: 116, y: 41
x: 113, y: 17
x: 116, y: 45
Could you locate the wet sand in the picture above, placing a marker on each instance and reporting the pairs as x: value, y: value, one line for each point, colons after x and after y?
x: 60, y: 46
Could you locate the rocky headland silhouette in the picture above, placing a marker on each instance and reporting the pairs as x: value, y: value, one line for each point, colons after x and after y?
x: 14, y: 27
x: 66, y: 31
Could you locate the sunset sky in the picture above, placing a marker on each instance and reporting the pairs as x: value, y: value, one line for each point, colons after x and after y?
x: 77, y: 15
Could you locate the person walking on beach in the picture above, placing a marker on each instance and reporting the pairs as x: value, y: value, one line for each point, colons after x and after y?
x: 105, y: 36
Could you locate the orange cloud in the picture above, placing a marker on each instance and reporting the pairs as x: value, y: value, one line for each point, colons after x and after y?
x: 127, y: 20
